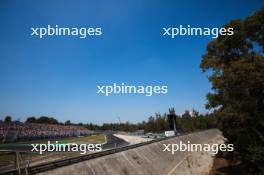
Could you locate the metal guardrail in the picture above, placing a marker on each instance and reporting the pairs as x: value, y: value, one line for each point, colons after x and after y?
x: 59, y: 163
x: 52, y: 165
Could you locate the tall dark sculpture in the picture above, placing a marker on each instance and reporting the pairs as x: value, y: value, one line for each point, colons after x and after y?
x: 172, y: 120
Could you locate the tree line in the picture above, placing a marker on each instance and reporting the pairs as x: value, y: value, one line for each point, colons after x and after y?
x: 236, y: 67
x: 158, y: 123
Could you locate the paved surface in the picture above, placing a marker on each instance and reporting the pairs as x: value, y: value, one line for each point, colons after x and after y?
x: 113, y: 141
x: 131, y: 139
x: 150, y: 159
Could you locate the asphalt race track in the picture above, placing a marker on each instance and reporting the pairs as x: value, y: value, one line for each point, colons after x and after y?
x: 113, y: 142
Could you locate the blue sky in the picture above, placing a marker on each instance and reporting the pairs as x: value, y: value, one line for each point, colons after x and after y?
x: 57, y: 76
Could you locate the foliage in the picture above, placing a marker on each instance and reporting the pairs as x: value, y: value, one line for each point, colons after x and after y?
x: 159, y: 123
x: 42, y: 119
x: 236, y: 64
x: 8, y: 119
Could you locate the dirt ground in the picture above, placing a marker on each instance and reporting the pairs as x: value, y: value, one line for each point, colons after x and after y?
x: 223, y: 166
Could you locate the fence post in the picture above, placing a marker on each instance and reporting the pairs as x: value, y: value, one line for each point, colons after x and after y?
x: 17, y: 162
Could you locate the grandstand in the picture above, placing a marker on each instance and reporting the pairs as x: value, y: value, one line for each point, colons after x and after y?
x: 18, y: 131
x: 17, y: 137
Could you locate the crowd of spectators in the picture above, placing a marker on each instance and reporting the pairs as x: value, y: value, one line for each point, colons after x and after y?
x: 35, y: 131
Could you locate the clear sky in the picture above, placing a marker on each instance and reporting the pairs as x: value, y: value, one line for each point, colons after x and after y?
x: 57, y: 76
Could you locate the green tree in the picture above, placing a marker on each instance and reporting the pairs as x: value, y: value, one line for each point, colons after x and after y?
x: 186, y: 114
x: 8, y: 119
x: 68, y: 122
x: 47, y: 120
x: 236, y: 65
x: 31, y: 120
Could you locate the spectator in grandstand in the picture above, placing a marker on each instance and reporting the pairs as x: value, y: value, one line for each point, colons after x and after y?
x: 34, y: 131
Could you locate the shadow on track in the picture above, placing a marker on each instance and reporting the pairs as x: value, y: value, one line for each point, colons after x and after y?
x: 114, y: 142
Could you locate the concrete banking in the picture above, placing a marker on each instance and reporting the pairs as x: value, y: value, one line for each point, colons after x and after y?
x: 150, y: 159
